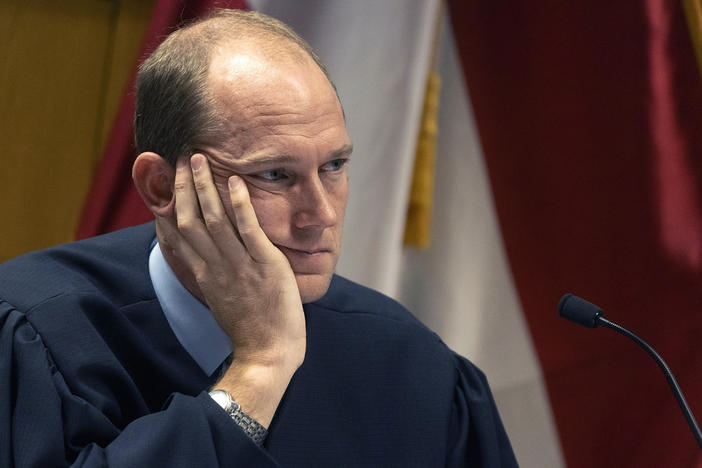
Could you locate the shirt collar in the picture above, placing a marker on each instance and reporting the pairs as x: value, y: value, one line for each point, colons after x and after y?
x: 191, y: 321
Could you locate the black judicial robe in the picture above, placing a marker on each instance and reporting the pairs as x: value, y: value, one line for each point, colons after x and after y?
x: 92, y: 375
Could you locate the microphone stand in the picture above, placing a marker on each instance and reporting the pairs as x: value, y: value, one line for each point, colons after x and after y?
x: 600, y: 320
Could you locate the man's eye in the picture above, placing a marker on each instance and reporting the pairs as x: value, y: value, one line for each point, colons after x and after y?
x: 272, y: 175
x: 335, y: 165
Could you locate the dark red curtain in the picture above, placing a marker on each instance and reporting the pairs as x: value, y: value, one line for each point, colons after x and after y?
x: 113, y: 202
x: 590, y: 118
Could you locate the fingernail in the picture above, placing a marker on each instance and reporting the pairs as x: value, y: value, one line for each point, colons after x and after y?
x: 196, y: 162
x: 180, y: 162
x: 234, y: 182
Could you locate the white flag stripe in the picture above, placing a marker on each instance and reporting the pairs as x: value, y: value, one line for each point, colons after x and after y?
x: 461, y: 286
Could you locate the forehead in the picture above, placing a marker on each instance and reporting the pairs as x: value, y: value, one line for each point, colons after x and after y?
x: 263, y: 100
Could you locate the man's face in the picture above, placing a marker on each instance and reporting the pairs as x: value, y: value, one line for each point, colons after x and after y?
x: 286, y: 137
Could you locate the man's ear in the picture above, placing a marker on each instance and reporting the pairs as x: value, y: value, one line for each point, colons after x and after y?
x: 153, y: 177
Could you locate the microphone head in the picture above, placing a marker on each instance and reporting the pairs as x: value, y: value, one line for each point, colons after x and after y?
x: 579, y: 310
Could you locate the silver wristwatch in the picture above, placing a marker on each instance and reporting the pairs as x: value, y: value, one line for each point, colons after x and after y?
x: 249, y: 425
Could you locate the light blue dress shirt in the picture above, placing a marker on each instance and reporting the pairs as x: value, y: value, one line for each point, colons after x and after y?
x: 191, y: 321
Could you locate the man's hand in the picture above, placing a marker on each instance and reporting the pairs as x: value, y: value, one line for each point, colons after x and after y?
x: 246, y: 281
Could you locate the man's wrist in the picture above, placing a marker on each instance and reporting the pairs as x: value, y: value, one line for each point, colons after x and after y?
x: 285, y: 357
x: 257, y: 389
x: 249, y: 425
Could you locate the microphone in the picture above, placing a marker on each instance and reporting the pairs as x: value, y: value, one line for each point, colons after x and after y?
x: 589, y: 315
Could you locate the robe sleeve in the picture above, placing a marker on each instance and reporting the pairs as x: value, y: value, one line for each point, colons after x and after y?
x: 43, y: 424
x: 476, y: 437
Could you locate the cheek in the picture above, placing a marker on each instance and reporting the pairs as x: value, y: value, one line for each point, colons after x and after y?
x: 340, y: 195
x: 273, y: 214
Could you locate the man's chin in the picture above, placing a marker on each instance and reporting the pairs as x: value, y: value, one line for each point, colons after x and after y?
x: 312, y: 286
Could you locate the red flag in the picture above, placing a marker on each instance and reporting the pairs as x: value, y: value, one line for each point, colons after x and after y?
x: 589, y: 118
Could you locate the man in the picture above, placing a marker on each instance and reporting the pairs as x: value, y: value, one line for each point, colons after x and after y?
x: 189, y: 344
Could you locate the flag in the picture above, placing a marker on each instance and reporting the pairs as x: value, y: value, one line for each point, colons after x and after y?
x: 589, y: 118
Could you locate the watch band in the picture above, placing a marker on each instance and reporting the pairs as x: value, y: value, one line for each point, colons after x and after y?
x: 249, y: 425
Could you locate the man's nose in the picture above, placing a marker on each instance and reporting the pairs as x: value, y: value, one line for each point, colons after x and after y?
x: 315, y: 208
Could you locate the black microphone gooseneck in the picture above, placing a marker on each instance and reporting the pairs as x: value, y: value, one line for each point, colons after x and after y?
x: 589, y: 315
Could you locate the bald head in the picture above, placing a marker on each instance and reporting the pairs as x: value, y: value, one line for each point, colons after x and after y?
x: 175, y: 108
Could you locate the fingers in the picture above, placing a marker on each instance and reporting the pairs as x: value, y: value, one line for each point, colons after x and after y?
x: 203, y: 222
x: 200, y: 214
x: 257, y: 243
x: 218, y: 224
x: 187, y: 209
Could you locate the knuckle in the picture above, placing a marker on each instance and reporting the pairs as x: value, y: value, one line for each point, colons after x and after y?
x: 201, y: 184
x: 237, y: 202
x: 200, y: 272
x: 215, y: 224
x: 246, y: 230
x: 169, y: 239
x: 200, y: 277
x: 186, y: 225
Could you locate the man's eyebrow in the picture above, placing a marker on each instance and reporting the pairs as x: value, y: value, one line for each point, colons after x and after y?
x: 272, y: 159
x: 267, y: 159
x: 345, y: 150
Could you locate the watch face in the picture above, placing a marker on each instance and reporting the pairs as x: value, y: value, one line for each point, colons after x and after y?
x: 221, y: 398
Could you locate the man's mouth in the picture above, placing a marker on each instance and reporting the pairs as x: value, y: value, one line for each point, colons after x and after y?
x: 315, y: 260
x: 312, y: 251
